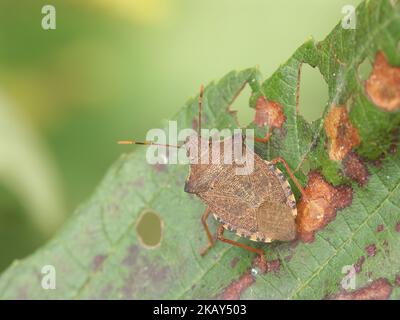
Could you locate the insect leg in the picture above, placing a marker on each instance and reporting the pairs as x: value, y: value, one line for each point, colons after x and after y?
x: 220, y: 236
x: 289, y: 171
x: 265, y: 139
x: 211, y: 240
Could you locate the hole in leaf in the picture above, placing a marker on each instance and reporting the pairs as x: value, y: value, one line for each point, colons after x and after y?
x: 149, y: 229
x: 245, y: 114
x: 364, y: 69
x: 313, y: 93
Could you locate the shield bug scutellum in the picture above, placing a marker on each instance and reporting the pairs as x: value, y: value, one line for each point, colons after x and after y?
x: 259, y: 206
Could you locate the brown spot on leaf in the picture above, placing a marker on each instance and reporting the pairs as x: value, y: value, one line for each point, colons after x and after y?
x: 358, y: 265
x: 397, y: 227
x: 98, y: 261
x: 379, y: 289
x: 131, y: 257
x: 383, y: 85
x: 234, y: 262
x: 380, y: 228
x: 355, y: 169
x: 260, y: 264
x: 343, y: 135
x: 151, y: 281
x: 146, y: 276
x: 139, y: 182
x: 378, y: 162
x: 319, y: 205
x: 269, y: 113
x: 160, y: 167
x: 274, y: 266
x: 237, y: 287
x: 371, y: 250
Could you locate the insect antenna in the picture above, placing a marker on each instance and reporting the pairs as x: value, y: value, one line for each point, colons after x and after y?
x: 147, y: 143
x: 150, y: 143
x: 200, y: 107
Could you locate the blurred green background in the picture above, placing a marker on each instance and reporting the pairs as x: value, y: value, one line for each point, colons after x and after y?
x: 112, y: 70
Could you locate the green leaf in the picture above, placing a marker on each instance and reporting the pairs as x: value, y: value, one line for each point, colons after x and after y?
x: 98, y: 253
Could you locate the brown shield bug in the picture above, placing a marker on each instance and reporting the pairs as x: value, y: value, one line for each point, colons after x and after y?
x: 259, y: 206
